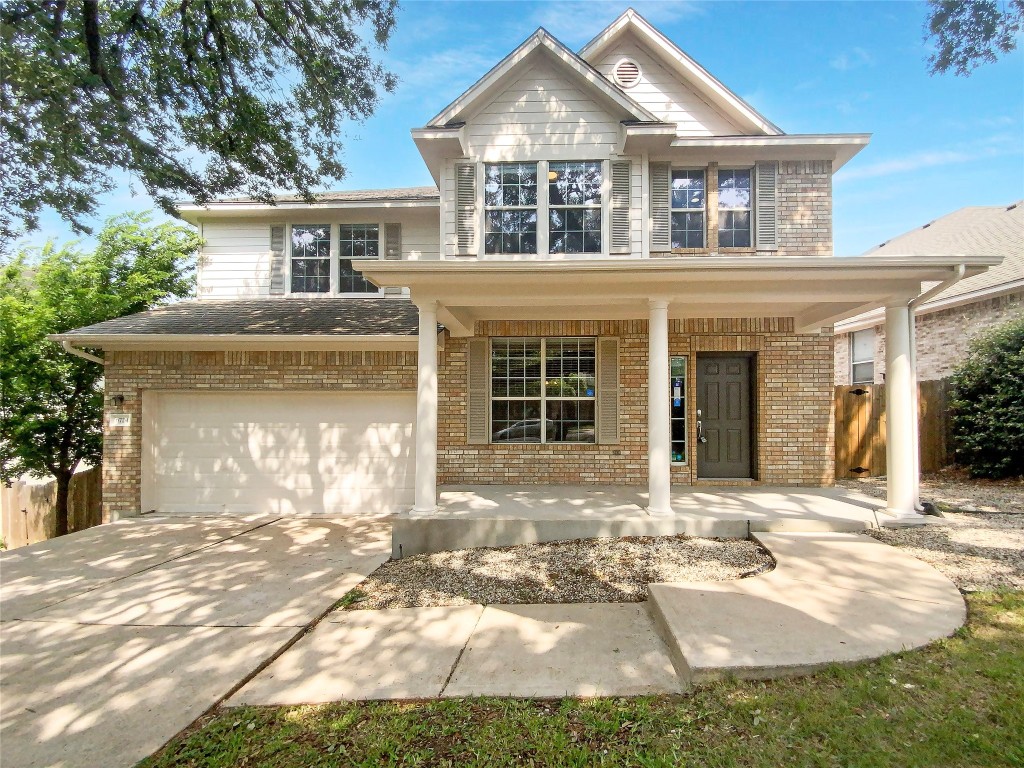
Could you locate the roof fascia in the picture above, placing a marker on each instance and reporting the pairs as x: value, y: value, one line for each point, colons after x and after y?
x: 877, y: 317
x: 694, y: 73
x: 540, y: 38
x: 196, y: 213
x: 839, y: 147
x: 237, y: 341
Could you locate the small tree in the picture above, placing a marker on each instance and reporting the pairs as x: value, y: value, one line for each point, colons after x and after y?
x: 987, y: 405
x: 51, y: 403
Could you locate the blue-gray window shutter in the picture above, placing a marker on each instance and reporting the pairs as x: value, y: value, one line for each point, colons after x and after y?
x: 277, y: 260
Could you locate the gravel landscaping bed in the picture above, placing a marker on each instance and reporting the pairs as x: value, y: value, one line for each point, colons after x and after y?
x: 978, y: 544
x: 577, y: 571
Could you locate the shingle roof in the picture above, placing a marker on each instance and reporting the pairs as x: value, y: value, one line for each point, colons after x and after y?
x: 352, y: 196
x: 369, y: 316
x: 996, y: 230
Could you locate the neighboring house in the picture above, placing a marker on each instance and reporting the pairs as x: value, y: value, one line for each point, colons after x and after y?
x: 947, y: 322
x: 623, y: 276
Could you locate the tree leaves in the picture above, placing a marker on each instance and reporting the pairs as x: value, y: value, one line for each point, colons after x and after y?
x: 194, y: 98
x: 51, y: 403
x: 968, y: 33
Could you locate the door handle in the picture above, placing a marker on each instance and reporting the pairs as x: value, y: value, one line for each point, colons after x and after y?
x: 700, y: 429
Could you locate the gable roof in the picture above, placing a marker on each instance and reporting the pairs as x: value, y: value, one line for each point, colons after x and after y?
x: 686, y: 67
x: 991, y: 230
x: 541, y: 40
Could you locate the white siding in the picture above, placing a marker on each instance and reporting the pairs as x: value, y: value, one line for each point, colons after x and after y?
x: 661, y: 92
x: 235, y: 261
x: 542, y: 116
x: 420, y: 234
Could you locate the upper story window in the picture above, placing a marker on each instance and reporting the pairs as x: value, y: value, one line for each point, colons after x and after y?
x: 314, y: 267
x: 311, y: 258
x: 356, y: 241
x: 688, y: 208
x: 510, y: 203
x: 734, y: 201
x: 574, y: 207
x: 862, y: 356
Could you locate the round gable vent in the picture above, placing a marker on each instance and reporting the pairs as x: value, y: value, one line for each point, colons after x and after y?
x: 627, y: 73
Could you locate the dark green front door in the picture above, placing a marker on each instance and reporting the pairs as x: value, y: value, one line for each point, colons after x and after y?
x: 723, y: 398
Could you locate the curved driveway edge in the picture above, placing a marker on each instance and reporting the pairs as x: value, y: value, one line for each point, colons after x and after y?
x: 832, y: 598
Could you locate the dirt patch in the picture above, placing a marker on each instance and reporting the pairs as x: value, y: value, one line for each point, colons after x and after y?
x: 578, y: 571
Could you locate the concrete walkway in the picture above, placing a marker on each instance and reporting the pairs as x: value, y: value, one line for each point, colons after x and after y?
x: 833, y: 597
x: 114, y: 639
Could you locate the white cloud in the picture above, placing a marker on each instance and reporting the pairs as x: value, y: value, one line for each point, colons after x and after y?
x: 993, y: 146
x: 852, y: 59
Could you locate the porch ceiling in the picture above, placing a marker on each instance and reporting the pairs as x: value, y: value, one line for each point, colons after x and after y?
x: 815, y: 291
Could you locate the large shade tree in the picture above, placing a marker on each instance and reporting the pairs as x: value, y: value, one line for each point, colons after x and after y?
x: 51, y: 402
x: 969, y: 33
x: 192, y: 98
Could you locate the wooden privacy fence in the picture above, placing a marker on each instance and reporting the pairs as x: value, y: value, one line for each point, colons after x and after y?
x: 26, y: 508
x: 860, y: 428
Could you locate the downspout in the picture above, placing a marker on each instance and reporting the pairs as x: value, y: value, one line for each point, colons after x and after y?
x: 961, y: 270
x: 66, y: 346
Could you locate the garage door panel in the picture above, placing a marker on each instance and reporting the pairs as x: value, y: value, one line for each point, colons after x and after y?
x: 282, y: 453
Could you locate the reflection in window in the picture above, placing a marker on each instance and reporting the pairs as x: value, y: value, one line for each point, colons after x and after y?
x: 551, y: 378
x: 688, y: 196
x: 311, y: 258
x: 734, y: 208
x: 862, y: 356
x: 677, y: 391
x: 510, y: 202
x: 357, y: 241
x: 574, y: 207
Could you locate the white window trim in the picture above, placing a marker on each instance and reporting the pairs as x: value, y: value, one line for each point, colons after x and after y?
x: 543, y: 231
x: 543, y: 397
x: 855, y: 362
x: 753, y: 204
x: 686, y: 407
x: 482, y: 180
x: 672, y: 209
x: 335, y: 256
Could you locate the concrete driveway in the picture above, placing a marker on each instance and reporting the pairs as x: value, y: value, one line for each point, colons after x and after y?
x: 114, y: 639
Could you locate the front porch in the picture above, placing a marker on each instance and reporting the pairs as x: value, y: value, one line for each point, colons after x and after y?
x: 505, y: 515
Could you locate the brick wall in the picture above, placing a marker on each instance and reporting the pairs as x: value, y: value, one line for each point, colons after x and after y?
x: 130, y: 373
x: 805, y: 208
x: 793, y: 406
x: 942, y: 337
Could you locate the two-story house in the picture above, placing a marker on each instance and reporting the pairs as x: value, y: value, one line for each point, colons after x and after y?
x: 624, y: 276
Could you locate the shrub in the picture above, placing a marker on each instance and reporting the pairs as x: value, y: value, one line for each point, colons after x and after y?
x: 987, y: 403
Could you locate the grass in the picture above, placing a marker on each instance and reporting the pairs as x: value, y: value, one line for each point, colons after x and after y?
x: 959, y: 702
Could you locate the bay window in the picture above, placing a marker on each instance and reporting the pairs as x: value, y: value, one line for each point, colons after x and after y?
x: 734, y: 208
x: 543, y: 390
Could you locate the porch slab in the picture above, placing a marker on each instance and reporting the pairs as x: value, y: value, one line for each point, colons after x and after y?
x: 506, y: 515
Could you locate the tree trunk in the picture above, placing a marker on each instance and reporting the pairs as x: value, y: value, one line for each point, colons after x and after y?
x: 61, y: 503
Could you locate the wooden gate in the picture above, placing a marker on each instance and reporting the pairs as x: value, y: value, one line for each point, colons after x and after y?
x: 860, y: 428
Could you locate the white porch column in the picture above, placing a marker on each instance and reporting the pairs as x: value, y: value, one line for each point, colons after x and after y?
x: 901, y: 421
x: 659, y: 428
x: 426, y: 412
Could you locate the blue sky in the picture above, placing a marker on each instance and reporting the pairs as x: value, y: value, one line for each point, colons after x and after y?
x: 940, y: 143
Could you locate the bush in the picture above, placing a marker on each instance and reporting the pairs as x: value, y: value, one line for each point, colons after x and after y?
x: 987, y: 404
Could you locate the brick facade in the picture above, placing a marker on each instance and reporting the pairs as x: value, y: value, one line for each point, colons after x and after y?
x: 942, y: 337
x: 130, y: 373
x: 793, y: 404
x: 805, y: 208
x: 794, y: 432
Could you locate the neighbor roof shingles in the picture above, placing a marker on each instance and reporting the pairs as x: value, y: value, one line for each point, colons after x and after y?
x: 322, y: 316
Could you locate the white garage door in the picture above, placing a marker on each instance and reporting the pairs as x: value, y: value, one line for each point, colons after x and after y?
x: 293, y: 453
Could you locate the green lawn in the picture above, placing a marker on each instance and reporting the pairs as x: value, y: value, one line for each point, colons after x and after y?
x: 957, y: 703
